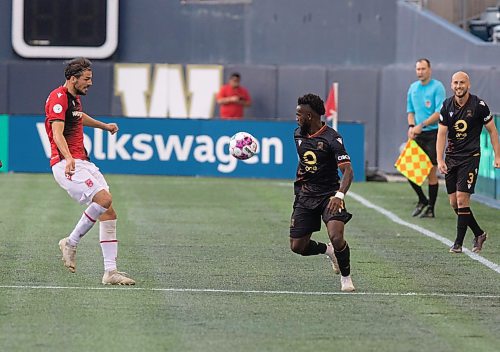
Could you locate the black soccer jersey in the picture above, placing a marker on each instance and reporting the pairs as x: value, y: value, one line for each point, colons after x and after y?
x: 464, y: 125
x: 319, y: 157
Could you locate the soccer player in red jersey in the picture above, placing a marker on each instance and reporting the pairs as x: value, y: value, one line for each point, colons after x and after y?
x: 233, y: 98
x: 76, y: 174
x: 319, y: 191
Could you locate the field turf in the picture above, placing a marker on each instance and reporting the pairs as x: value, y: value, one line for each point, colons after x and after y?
x: 214, y: 272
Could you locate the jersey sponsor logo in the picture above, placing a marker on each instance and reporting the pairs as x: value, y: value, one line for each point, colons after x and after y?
x: 310, y: 160
x: 77, y: 114
x: 488, y: 117
x: 57, y: 108
x: 343, y: 157
x: 460, y: 127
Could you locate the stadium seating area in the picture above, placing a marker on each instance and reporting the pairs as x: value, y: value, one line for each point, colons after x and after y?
x: 487, y: 27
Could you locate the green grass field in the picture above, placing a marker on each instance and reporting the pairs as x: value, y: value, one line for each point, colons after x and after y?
x: 214, y: 273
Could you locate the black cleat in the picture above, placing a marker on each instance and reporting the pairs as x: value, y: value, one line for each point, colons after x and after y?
x: 456, y: 248
x: 477, y: 242
x: 418, y: 209
x: 428, y: 213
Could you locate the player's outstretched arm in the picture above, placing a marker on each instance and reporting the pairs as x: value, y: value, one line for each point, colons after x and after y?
x: 91, y: 122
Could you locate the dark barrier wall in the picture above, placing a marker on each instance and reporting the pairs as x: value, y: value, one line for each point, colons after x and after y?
x: 30, y: 85
x: 3, y: 88
x: 176, y: 147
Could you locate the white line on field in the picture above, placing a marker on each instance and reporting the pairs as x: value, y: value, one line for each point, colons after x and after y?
x: 393, y: 217
x: 252, y: 292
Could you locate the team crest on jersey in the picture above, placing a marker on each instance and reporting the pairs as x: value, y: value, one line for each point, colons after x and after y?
x: 427, y: 103
x: 339, y: 140
x: 320, y: 145
x: 57, y: 108
x: 468, y: 113
x: 89, y: 183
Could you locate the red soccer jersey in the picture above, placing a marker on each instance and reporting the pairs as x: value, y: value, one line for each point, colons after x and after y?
x: 232, y: 111
x: 62, y: 106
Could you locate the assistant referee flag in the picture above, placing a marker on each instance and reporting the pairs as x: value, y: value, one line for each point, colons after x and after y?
x: 414, y: 163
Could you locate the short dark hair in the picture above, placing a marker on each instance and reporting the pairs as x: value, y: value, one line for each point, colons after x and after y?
x: 426, y: 60
x: 235, y: 74
x: 76, y: 67
x: 314, y: 101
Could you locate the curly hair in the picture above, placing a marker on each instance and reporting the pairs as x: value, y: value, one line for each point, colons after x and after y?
x: 314, y: 101
x: 76, y: 67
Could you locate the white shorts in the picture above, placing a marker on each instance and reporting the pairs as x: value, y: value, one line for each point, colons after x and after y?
x: 84, y: 184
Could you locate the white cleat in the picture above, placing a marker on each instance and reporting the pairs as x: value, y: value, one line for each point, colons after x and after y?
x: 333, y: 259
x: 346, y: 284
x: 68, y: 254
x: 115, y: 277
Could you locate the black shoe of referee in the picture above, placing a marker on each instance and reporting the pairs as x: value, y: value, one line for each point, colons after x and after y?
x: 418, y: 209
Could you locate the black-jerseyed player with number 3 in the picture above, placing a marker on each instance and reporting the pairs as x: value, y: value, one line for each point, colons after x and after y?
x: 462, y: 119
x: 319, y: 191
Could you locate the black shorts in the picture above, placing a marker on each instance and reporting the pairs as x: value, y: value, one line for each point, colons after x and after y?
x: 462, y: 173
x: 308, y: 213
x: 427, y: 141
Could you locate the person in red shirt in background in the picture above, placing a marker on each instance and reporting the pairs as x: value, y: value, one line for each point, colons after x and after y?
x: 232, y: 98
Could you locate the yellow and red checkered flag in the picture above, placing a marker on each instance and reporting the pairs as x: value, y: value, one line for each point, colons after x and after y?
x: 414, y: 163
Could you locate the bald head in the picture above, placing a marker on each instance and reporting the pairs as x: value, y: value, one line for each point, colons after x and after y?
x: 460, y: 84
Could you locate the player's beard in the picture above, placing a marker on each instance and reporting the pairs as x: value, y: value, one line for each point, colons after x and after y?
x: 80, y: 92
x: 464, y: 92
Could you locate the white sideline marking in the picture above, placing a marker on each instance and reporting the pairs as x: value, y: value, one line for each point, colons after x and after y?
x: 255, y: 292
x: 425, y: 232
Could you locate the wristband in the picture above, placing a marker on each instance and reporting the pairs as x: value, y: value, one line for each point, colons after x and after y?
x: 410, y: 126
x: 339, y: 195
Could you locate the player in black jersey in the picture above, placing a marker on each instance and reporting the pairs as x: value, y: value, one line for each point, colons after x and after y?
x: 462, y: 119
x: 319, y: 192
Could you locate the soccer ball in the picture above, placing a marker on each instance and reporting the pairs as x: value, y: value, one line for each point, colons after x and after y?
x: 243, y: 145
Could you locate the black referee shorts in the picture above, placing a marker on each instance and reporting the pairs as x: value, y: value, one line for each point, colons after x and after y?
x: 427, y: 141
x: 308, y: 213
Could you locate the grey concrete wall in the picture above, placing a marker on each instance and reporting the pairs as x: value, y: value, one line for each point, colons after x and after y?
x: 420, y: 33
x: 265, y: 32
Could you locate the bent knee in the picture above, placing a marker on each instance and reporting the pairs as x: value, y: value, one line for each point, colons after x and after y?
x: 103, y: 198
